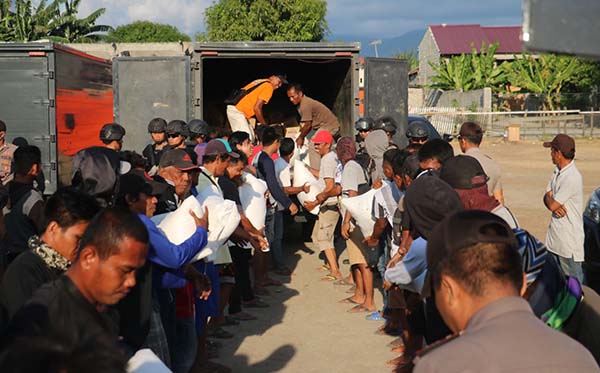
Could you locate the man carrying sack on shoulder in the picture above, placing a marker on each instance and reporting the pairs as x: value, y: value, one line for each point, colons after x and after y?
x: 248, y: 102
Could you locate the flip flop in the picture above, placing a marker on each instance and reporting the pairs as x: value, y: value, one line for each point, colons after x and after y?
x: 343, y: 282
x: 396, y: 342
x: 348, y: 301
x: 358, y: 309
x: 324, y: 267
x: 329, y: 278
x: 375, y: 316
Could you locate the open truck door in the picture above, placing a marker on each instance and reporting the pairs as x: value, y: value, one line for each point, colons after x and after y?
x: 386, y: 92
x: 147, y: 88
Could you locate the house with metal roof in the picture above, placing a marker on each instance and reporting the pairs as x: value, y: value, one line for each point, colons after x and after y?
x: 444, y: 41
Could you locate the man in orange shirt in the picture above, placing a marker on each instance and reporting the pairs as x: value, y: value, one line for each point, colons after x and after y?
x: 251, y: 104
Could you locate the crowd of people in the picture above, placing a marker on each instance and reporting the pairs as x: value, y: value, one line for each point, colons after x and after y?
x: 90, y: 278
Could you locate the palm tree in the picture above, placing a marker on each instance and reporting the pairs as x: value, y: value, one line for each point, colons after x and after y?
x: 68, y: 28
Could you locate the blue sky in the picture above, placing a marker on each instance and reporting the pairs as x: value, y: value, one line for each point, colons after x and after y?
x: 360, y: 18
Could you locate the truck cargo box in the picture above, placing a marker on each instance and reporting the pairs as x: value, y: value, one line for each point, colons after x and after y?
x: 57, y: 98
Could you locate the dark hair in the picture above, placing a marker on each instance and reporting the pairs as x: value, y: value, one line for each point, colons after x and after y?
x: 472, y: 132
x: 242, y: 157
x: 567, y: 155
x: 475, y: 266
x: 258, y: 131
x: 107, y: 230
x: 410, y: 167
x: 398, y: 161
x: 137, y: 160
x: 25, y: 157
x: 437, y: 149
x: 389, y: 155
x: 297, y: 87
x: 20, y: 141
x: 210, y: 158
x: 269, y: 136
x: 287, y: 147
x: 69, y: 206
x: 238, y: 138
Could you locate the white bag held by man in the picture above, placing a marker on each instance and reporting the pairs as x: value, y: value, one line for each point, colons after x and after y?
x: 179, y: 225
x: 252, y: 197
x: 303, y: 176
x: 223, y: 218
x: 360, y: 208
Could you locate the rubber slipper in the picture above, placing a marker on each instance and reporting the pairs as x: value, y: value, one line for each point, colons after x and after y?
x: 358, y: 309
x: 396, y: 342
x: 329, y: 278
x: 343, y: 282
x: 324, y: 267
x: 375, y: 316
x: 348, y: 300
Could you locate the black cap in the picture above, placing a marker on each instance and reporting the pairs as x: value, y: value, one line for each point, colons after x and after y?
x: 460, y: 230
x: 134, y: 183
x: 463, y: 172
x: 282, y: 77
x: 177, y: 158
x: 428, y: 201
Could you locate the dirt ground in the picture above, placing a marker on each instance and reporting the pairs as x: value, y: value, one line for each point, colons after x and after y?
x: 306, y: 329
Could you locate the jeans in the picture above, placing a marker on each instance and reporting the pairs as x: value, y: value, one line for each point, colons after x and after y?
x: 383, y: 261
x: 571, y: 268
x: 185, y: 346
x: 277, y: 245
x: 242, y: 290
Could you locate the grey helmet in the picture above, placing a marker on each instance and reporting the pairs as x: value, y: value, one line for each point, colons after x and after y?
x: 388, y: 124
x: 179, y: 127
x: 199, y: 127
x: 417, y: 129
x: 157, y: 125
x: 112, y: 132
x: 364, y: 124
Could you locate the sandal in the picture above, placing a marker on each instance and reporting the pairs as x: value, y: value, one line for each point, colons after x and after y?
x: 358, y: 309
x: 343, y: 282
x: 375, y: 316
x: 324, y: 267
x: 330, y: 278
x: 348, y: 301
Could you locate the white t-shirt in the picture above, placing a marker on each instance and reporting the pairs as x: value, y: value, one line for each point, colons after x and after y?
x: 331, y: 168
x: 282, y: 172
x: 565, y: 235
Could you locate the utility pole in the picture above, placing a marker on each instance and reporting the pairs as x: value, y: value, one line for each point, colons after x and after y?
x: 375, y: 43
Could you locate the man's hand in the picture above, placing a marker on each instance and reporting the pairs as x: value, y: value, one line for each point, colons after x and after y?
x: 560, y: 212
x: 200, y: 281
x: 371, y: 241
x: 293, y: 209
x: 300, y: 141
x: 387, y: 285
x: 203, y: 221
x: 346, y: 229
x: 378, y: 183
x: 310, y: 205
x: 306, y: 187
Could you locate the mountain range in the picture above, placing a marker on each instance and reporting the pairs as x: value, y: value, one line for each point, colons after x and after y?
x: 389, y: 45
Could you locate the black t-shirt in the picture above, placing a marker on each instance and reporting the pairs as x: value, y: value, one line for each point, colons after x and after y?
x: 22, y: 278
x: 60, y: 308
x: 230, y: 189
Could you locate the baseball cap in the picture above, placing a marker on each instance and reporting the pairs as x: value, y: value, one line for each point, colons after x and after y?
x: 460, y: 230
x: 219, y: 146
x: 134, y: 183
x: 562, y: 142
x: 321, y: 137
x: 177, y: 158
x: 463, y: 172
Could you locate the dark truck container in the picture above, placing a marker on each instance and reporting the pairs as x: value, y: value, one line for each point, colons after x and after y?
x: 57, y: 98
x: 195, y: 86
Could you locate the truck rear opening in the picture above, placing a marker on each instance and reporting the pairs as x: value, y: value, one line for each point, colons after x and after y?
x: 327, y: 80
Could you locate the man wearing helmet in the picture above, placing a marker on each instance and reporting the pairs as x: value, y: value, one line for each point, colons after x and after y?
x: 111, y: 136
x: 363, y: 126
x: 387, y: 124
x: 313, y: 117
x: 417, y: 132
x: 200, y: 135
x: 152, y: 152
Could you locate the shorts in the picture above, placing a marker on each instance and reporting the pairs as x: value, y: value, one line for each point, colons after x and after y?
x: 328, y: 218
x: 355, y: 248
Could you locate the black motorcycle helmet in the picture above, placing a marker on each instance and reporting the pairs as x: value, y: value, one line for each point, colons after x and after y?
x: 111, y: 132
x: 417, y: 129
x: 157, y: 125
x: 364, y: 124
x: 388, y: 124
x: 198, y: 127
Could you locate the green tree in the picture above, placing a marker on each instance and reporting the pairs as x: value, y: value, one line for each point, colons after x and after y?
x: 20, y: 20
x: 147, y: 32
x: 265, y: 20
x: 545, y: 75
x: 455, y: 73
x: 411, y: 56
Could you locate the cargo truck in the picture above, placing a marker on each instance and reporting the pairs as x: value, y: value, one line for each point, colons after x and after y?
x: 57, y: 98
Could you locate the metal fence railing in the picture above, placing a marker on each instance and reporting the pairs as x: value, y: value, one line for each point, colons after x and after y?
x: 532, y: 124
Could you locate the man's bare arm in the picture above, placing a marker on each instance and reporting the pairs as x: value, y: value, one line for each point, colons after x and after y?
x: 258, y: 111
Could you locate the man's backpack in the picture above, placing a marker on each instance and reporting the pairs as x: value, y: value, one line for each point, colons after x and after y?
x: 96, y: 172
x: 238, y: 94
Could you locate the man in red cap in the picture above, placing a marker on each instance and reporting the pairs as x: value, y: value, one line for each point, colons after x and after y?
x: 329, y: 175
x: 564, y: 198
